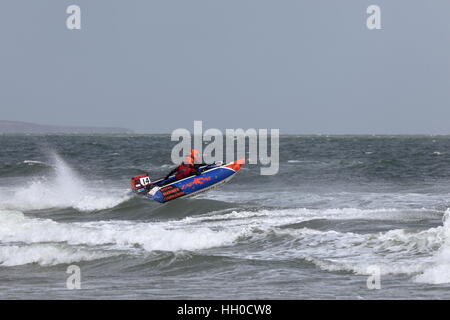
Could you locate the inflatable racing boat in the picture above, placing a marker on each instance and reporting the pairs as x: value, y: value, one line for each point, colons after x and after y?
x: 211, y: 176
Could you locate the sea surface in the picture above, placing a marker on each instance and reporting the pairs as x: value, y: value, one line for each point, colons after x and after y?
x: 339, y: 207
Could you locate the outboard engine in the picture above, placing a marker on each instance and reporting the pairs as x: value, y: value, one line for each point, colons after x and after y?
x: 140, y: 184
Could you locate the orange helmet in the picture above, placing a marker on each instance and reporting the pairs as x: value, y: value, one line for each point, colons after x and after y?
x: 193, y: 156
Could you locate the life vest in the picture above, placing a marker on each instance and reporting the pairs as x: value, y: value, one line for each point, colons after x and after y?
x: 184, y: 171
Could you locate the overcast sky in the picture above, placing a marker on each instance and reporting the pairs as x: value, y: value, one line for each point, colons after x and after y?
x: 304, y: 67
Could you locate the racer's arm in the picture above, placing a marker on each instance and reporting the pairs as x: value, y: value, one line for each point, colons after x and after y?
x: 171, y: 173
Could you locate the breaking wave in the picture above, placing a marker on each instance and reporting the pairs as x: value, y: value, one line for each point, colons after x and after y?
x: 46, y: 242
x: 42, y: 238
x: 46, y: 255
x: 439, y: 270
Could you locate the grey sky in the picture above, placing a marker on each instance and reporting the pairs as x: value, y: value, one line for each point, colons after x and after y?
x: 301, y: 66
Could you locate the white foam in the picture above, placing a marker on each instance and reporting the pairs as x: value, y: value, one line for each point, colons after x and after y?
x: 15, y: 227
x: 395, y: 252
x: 46, y: 255
x: 423, y: 255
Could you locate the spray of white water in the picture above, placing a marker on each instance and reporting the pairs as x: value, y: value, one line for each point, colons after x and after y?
x: 439, y: 271
x: 65, y: 189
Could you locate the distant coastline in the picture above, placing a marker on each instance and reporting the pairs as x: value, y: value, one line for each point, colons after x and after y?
x: 20, y: 127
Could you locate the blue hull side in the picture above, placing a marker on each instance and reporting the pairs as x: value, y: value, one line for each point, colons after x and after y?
x: 192, y: 185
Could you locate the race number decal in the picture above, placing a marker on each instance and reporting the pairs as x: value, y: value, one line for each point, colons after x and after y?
x: 145, y: 181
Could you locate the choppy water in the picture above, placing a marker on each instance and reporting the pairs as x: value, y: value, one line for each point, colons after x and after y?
x: 337, y: 206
